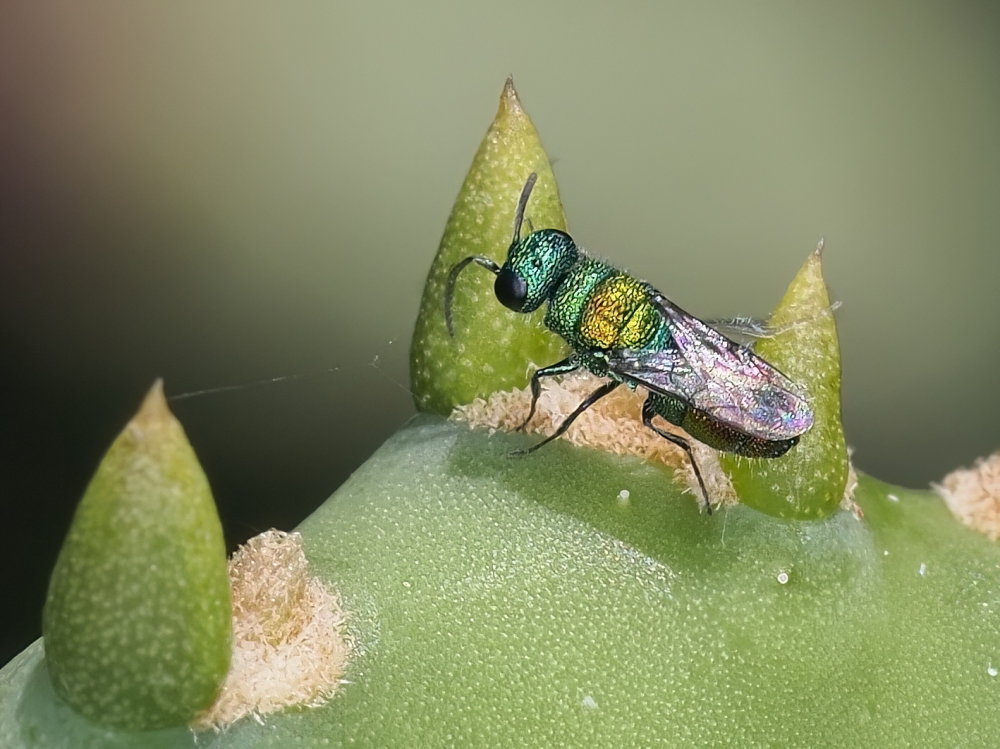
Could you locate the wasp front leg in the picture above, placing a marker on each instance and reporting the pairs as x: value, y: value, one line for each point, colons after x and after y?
x: 590, y: 400
x: 567, y: 365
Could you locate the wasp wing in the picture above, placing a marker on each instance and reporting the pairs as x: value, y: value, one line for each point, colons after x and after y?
x: 716, y: 375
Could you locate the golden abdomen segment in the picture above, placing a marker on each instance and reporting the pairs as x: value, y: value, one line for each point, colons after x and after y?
x: 619, y: 314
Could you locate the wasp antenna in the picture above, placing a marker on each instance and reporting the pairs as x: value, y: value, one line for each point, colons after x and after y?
x: 522, y: 203
x: 449, y: 286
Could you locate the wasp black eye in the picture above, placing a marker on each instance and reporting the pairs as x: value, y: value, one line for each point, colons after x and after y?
x: 510, y: 289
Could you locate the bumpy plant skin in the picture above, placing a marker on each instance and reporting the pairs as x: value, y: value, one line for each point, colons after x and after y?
x: 137, y: 620
x: 523, y: 602
x: 492, y: 346
x: 572, y: 597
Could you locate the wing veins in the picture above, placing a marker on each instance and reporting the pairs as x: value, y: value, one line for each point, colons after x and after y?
x: 717, y: 376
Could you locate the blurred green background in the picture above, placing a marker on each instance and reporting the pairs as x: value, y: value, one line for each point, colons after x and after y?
x: 222, y: 193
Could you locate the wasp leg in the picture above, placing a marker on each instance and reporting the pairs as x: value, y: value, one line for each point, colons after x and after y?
x: 566, y: 365
x: 590, y: 400
x: 648, y: 413
x: 449, y: 286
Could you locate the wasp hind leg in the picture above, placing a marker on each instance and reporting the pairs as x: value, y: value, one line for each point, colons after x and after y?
x: 648, y: 412
x: 590, y: 400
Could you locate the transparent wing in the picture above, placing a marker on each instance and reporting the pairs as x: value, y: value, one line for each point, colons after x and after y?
x: 718, y: 376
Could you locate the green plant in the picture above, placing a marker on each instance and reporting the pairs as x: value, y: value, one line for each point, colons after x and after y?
x: 580, y: 597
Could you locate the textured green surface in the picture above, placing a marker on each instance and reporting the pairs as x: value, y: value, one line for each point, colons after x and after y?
x: 137, y: 620
x: 503, y: 601
x: 524, y: 602
x: 808, y: 482
x: 493, y: 347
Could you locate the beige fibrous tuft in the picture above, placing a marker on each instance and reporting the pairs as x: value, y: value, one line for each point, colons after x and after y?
x: 973, y: 495
x: 289, y: 640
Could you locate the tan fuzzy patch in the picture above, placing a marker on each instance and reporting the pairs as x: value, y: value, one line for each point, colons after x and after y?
x: 613, y: 424
x: 847, y: 502
x: 289, y: 641
x: 973, y: 495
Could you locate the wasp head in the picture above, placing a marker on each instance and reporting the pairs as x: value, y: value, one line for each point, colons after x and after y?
x: 534, y: 264
x: 534, y: 267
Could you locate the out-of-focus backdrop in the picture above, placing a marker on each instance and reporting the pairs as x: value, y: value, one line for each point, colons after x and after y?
x: 227, y: 192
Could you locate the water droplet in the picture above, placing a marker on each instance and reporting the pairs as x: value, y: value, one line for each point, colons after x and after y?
x: 992, y: 670
x: 892, y: 497
x: 623, y: 496
x: 588, y: 703
x: 783, y: 576
x: 922, y: 570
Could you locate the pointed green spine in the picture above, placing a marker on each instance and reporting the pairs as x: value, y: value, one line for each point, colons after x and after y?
x: 137, y: 622
x: 493, y: 348
x: 809, y: 481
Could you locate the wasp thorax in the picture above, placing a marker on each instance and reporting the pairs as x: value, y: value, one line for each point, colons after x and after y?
x: 534, y: 267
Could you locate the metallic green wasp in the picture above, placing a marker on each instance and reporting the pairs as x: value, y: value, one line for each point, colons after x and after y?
x: 717, y: 390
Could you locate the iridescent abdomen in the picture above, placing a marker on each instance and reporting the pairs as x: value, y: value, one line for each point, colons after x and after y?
x: 714, y: 433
